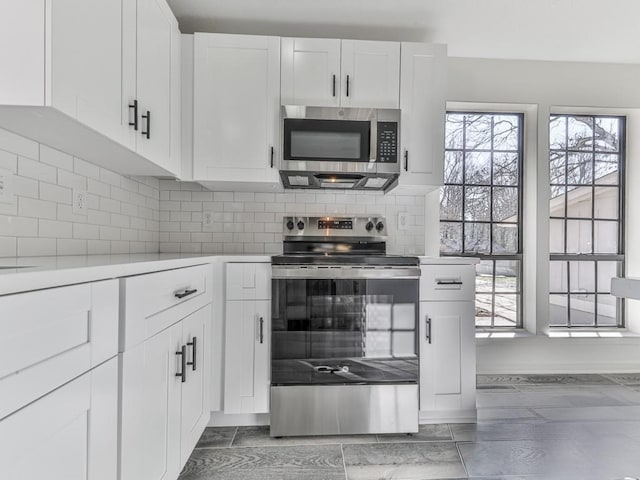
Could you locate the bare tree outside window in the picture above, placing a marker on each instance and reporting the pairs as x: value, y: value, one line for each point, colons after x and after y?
x: 586, y: 160
x: 481, y: 205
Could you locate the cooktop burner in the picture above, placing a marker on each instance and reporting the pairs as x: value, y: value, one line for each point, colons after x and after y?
x: 341, y: 259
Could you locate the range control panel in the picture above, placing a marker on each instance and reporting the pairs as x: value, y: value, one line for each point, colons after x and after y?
x: 303, y: 226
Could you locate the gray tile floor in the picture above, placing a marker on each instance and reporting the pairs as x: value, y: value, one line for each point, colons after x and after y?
x: 535, y: 427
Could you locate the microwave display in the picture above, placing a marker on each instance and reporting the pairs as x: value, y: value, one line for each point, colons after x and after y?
x: 387, y: 142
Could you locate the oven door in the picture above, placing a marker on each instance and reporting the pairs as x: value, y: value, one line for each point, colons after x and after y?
x: 332, y: 331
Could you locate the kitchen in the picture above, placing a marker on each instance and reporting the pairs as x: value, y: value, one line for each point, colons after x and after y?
x: 90, y: 203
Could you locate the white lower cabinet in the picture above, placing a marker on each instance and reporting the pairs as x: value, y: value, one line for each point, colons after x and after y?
x: 247, y: 360
x: 447, y: 345
x: 247, y: 372
x: 69, y: 434
x: 165, y: 384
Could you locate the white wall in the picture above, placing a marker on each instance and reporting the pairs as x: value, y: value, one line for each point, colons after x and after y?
x: 544, y: 87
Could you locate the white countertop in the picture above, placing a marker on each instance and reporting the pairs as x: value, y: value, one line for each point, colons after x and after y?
x: 45, y: 272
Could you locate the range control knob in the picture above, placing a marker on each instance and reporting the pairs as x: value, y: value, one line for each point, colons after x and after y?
x: 369, y: 226
x: 300, y: 225
x: 380, y: 226
x: 290, y: 225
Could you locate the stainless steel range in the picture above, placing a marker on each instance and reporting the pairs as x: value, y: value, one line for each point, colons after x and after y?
x: 344, y: 344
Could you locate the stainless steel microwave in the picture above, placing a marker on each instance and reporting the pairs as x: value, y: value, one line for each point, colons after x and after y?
x: 333, y: 147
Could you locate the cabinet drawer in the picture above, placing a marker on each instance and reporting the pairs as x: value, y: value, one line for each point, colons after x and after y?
x: 248, y: 281
x: 48, y: 337
x: 447, y: 282
x: 155, y: 301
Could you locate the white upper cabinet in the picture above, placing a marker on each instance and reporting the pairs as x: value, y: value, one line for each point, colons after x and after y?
x: 370, y: 74
x: 348, y: 73
x: 236, y: 108
x: 423, y: 105
x: 67, y: 73
x: 311, y: 71
x: 153, y: 81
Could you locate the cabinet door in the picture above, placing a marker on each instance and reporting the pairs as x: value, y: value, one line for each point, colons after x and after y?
x: 370, y: 74
x: 157, y: 40
x: 236, y: 108
x: 447, y: 355
x: 247, y: 358
x: 195, y: 391
x: 422, y: 101
x: 69, y: 434
x: 310, y: 71
x: 150, y: 432
x: 84, y: 78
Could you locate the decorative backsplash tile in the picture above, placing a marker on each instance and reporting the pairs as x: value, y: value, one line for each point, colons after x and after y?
x: 251, y: 223
x: 121, y: 214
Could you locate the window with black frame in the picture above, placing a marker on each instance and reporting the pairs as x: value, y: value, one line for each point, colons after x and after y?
x: 586, y: 170
x: 481, y: 208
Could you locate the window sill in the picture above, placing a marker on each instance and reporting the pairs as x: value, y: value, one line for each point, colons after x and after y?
x: 502, y: 334
x: 489, y: 335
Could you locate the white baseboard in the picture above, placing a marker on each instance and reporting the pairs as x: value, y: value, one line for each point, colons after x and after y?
x: 221, y: 419
x: 448, y: 416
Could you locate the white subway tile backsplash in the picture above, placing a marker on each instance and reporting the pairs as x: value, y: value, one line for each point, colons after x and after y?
x: 54, y: 193
x: 36, y: 247
x: 8, y: 247
x: 56, y: 158
x: 8, y: 161
x: 19, y: 145
x: 55, y: 229
x: 37, y: 170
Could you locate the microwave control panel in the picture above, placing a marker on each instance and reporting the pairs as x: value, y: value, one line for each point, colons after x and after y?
x: 387, y: 142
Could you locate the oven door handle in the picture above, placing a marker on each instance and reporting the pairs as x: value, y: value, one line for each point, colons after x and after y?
x: 314, y: 272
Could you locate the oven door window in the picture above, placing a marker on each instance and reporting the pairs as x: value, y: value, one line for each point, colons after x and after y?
x: 327, y: 140
x: 344, y: 331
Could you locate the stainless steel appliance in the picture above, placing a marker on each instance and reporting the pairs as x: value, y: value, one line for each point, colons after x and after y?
x: 347, y: 148
x: 344, y: 344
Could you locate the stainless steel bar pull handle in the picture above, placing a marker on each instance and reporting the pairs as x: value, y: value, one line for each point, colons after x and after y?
x: 194, y: 353
x: 261, y: 330
x: 406, y: 160
x: 183, y: 363
x: 347, y: 85
x: 186, y: 293
x: 428, y: 329
x: 334, y: 85
x: 271, y: 157
x: 448, y: 282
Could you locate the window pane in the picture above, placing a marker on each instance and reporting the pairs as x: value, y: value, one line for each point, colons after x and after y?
x: 484, y: 276
x: 582, y: 310
x: 557, y: 168
x: 606, y: 271
x: 606, y: 237
x: 478, y: 132
x: 505, y: 168
x: 579, y: 168
x: 477, y: 203
x: 484, y: 310
x: 506, y: 132
x: 579, y: 202
x: 476, y: 238
x: 505, y: 204
x: 450, y: 237
x: 505, y: 238
x: 454, y: 131
x: 506, y: 310
x: 607, y: 169
x: 582, y: 276
x: 579, y: 236
x: 453, y: 167
x: 606, y: 202
x: 607, y: 134
x: 556, y: 236
x: 451, y: 203
x: 558, y: 277
x: 558, y: 313
x: 477, y: 168
x: 507, y: 276
x: 558, y: 133
x: 607, y: 310
x: 557, y: 201
x: 580, y: 132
